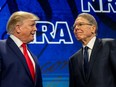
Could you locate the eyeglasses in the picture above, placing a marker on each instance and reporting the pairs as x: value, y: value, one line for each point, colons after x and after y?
x: 81, y: 24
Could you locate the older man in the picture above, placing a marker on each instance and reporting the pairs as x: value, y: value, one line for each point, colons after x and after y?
x: 94, y: 65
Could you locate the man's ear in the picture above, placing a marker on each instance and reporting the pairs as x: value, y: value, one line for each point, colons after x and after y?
x: 18, y: 29
x: 93, y: 29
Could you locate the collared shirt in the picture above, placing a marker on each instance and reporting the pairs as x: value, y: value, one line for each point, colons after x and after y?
x: 19, y: 43
x: 90, y: 45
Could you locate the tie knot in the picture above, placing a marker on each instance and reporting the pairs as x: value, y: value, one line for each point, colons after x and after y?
x: 24, y: 45
x: 86, y: 47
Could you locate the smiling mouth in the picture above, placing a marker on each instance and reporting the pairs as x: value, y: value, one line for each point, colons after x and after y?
x: 32, y: 33
x: 78, y: 33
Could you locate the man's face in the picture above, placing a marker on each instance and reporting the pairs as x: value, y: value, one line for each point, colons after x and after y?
x: 83, y: 29
x: 27, y: 30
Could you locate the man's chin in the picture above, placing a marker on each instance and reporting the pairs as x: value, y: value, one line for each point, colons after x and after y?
x: 31, y: 40
x: 79, y: 38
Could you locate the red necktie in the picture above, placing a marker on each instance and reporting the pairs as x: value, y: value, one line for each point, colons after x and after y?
x: 28, y: 60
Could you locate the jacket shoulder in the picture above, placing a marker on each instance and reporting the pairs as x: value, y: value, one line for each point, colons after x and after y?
x: 2, y: 43
x: 109, y: 41
x: 75, y: 54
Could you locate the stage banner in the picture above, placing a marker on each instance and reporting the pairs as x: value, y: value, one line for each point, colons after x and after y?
x: 54, y: 40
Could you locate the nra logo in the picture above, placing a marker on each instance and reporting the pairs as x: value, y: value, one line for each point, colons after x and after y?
x: 52, y: 34
x: 98, y: 6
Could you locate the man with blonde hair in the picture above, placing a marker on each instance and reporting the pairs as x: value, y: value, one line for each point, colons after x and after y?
x: 18, y: 66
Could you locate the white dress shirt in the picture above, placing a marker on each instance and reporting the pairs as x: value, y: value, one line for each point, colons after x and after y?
x: 90, y: 46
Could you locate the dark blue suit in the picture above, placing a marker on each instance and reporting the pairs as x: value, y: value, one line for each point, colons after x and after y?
x: 102, y: 66
x: 14, y: 71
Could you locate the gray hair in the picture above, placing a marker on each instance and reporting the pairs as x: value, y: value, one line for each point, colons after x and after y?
x: 90, y: 19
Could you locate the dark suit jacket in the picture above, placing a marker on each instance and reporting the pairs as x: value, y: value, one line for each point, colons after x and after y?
x: 14, y: 71
x: 102, y: 66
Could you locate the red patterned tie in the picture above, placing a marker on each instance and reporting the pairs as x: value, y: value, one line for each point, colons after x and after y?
x: 28, y: 60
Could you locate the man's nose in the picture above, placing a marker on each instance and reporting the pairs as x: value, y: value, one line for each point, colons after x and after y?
x: 35, y: 28
x: 76, y: 28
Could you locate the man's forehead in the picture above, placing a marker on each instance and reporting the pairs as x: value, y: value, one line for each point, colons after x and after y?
x: 80, y: 19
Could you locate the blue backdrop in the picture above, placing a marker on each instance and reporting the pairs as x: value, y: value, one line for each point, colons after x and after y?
x: 54, y: 41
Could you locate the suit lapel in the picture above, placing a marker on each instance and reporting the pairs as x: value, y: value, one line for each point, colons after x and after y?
x: 81, y: 63
x: 94, y: 54
x: 80, y: 59
x: 19, y: 54
x: 37, y: 68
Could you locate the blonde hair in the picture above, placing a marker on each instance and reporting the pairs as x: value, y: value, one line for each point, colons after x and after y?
x: 19, y: 17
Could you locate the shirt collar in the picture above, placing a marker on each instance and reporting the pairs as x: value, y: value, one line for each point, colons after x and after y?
x: 16, y: 40
x: 91, y: 43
